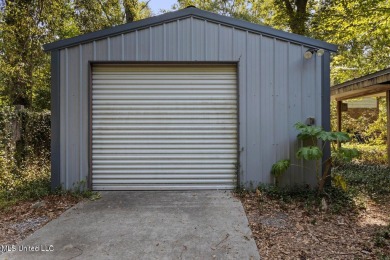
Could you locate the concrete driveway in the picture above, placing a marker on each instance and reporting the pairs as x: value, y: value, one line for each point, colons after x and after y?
x: 146, y: 225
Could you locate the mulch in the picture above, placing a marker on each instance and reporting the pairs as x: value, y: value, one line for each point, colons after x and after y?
x: 23, y: 218
x: 292, y: 231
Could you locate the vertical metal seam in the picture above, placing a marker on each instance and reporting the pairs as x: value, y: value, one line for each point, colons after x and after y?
x: 274, y: 100
x: 259, y: 100
x: 178, y: 40
x: 287, y: 107
x: 165, y: 42
x: 232, y: 50
x: 246, y: 110
x: 150, y: 44
x: 136, y: 45
x: 66, y: 118
x: 219, y: 42
x: 108, y: 48
x: 191, y: 38
x: 205, y: 39
x: 81, y: 87
x: 94, y: 50
x: 123, y: 46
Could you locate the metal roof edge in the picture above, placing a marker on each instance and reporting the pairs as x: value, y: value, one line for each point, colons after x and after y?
x: 362, y: 78
x: 183, y: 13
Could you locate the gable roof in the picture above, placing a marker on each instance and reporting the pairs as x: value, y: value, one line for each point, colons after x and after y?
x: 186, y: 13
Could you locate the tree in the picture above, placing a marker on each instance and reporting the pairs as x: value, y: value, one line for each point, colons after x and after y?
x: 25, y: 26
x: 135, y: 10
x: 361, y: 30
x: 100, y: 14
x: 28, y: 24
x: 297, y: 14
x: 234, y: 8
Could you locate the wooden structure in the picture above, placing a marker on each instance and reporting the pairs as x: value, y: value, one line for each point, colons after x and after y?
x: 373, y: 85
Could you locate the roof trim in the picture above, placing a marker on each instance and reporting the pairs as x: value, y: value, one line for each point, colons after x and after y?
x: 185, y: 13
x: 363, y: 78
x: 370, y: 84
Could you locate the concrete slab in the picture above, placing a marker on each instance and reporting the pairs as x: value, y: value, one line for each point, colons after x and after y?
x: 146, y: 225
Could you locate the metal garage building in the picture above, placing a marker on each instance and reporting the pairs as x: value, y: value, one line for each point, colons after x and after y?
x: 184, y: 100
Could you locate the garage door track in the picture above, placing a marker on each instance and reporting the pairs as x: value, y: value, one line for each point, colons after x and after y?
x: 146, y: 225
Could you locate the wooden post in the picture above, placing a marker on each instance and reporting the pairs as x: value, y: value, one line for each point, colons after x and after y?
x: 388, y: 125
x: 339, y: 113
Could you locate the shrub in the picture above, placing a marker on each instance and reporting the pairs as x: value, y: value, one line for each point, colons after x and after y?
x: 24, y: 155
x: 316, y: 138
x: 28, y: 131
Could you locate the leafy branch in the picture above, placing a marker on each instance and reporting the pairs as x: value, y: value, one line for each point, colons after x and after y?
x: 317, y: 135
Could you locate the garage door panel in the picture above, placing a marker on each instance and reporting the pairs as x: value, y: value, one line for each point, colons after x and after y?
x: 149, y: 162
x: 159, y: 109
x: 164, y: 166
x: 142, y: 130
x: 166, y: 172
x: 163, y: 146
x: 117, y: 177
x: 164, y: 127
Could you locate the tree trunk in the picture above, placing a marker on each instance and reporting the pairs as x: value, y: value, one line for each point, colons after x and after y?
x: 297, y: 14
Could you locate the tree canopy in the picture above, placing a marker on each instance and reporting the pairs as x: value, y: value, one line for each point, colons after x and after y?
x: 359, y: 28
x: 25, y: 25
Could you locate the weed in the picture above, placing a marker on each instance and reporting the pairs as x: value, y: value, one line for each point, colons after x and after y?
x: 382, y: 237
x: 240, y: 190
x: 339, y: 201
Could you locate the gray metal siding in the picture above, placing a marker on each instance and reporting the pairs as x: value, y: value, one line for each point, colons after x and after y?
x: 277, y: 88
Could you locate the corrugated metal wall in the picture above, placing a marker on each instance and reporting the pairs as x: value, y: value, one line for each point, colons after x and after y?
x: 277, y: 88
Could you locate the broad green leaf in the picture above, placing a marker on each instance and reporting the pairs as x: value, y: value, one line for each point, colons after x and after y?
x: 280, y: 167
x: 307, y: 132
x: 342, y: 137
x: 346, y: 154
x: 309, y: 153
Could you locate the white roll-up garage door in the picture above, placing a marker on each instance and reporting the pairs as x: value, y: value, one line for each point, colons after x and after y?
x: 165, y: 127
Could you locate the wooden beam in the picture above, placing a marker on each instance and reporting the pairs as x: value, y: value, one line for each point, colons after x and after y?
x: 339, y: 114
x: 373, y: 90
x: 388, y: 125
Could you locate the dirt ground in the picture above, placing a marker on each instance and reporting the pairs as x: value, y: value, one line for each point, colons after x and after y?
x: 22, y: 219
x: 291, y: 231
